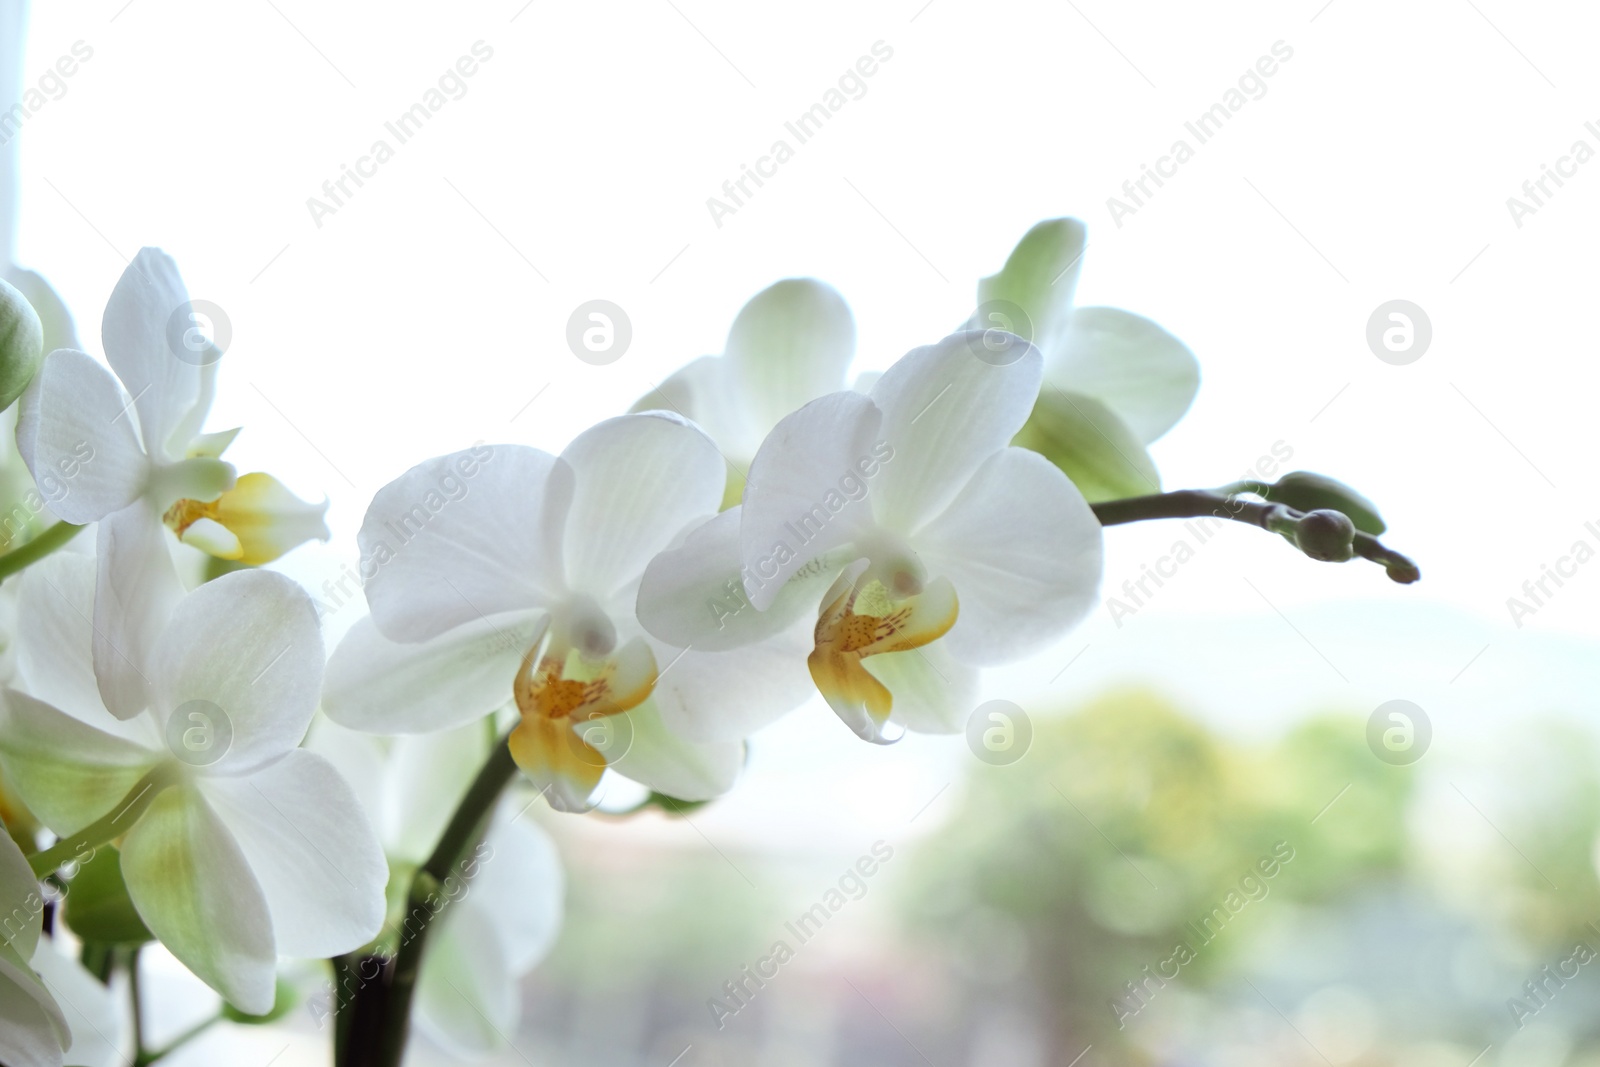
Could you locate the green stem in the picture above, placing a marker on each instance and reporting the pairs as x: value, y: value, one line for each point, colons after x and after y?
x: 106, y: 828
x: 1278, y: 518
x: 136, y: 1002
x: 53, y: 538
x: 459, y: 837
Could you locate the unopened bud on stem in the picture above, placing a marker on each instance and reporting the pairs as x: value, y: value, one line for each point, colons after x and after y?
x: 1326, y: 536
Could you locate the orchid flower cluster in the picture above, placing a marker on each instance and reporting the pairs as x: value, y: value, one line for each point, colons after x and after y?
x: 182, y: 763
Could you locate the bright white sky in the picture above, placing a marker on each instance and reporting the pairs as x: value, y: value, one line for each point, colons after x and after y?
x: 429, y: 312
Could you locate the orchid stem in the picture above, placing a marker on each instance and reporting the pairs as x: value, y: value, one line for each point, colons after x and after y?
x: 1278, y: 518
x: 460, y: 836
x: 112, y: 825
x: 47, y: 542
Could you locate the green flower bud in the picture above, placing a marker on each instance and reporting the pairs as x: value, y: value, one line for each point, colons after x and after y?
x: 1325, y: 535
x: 21, y: 344
x: 1305, y: 491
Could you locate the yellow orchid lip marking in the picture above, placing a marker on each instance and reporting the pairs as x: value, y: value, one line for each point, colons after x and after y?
x: 561, y: 693
x: 857, y: 622
x: 255, y: 522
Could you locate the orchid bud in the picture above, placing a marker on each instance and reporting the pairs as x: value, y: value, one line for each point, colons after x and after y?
x: 1305, y: 491
x: 21, y: 344
x: 1326, y: 536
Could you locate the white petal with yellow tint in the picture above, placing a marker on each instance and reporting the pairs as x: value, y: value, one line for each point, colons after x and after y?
x: 385, y: 687
x: 1024, y: 552
x: 464, y: 536
x: 266, y: 519
x: 212, y: 538
x: 76, y: 435
x: 638, y: 480
x: 812, y: 489
x: 945, y: 411
x: 563, y: 766
x: 1133, y: 366
x: 860, y: 619
x: 194, y: 889
x: 569, y: 709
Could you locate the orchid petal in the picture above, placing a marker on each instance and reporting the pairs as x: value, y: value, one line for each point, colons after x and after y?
x: 76, y: 436
x: 311, y: 848
x: 791, y: 343
x: 66, y: 771
x: 165, y: 388
x: 386, y: 687
x: 945, y: 411
x: 692, y: 595
x: 463, y: 537
x: 638, y: 480
x: 809, y: 490
x: 1039, y: 277
x: 247, y: 645
x: 136, y: 588
x: 192, y: 885
x: 1140, y: 371
x: 1023, y: 549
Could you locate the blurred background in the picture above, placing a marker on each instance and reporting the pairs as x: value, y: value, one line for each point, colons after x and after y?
x: 1435, y: 905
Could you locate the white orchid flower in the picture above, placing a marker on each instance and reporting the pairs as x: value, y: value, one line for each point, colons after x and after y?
x: 134, y: 465
x: 501, y: 916
x: 946, y: 549
x: 240, y: 846
x: 33, y: 1029
x: 520, y: 587
x: 791, y: 343
x: 1114, y: 381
